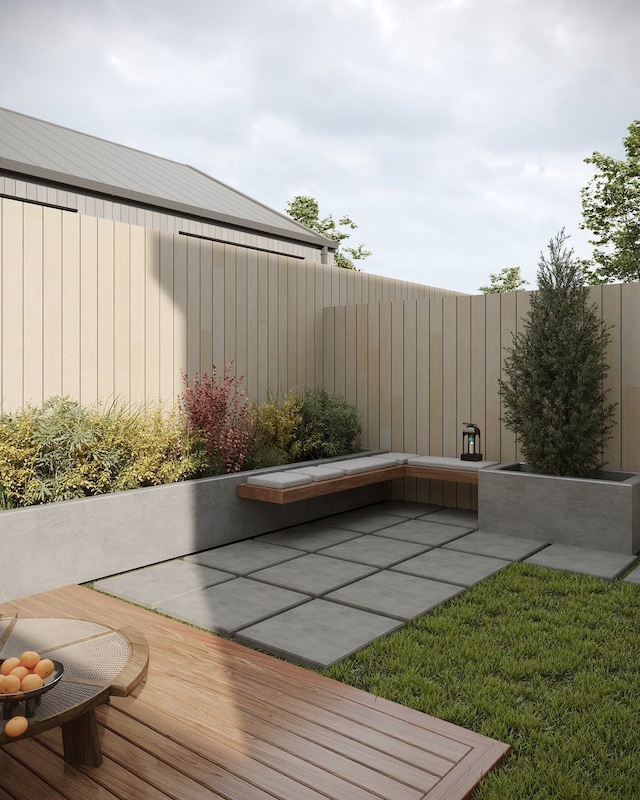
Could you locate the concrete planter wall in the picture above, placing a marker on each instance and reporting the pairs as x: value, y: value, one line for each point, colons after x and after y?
x: 602, y: 513
x: 76, y: 541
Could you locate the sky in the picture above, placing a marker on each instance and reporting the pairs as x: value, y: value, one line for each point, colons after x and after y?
x: 453, y: 132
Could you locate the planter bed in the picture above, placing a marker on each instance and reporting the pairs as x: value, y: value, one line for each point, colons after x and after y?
x: 75, y: 541
x: 598, y: 513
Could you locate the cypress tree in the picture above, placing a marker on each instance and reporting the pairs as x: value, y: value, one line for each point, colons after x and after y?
x: 553, y: 393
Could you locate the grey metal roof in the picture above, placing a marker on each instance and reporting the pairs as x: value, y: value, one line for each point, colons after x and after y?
x: 88, y: 162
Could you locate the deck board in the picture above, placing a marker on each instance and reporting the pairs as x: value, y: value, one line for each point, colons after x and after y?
x: 214, y: 719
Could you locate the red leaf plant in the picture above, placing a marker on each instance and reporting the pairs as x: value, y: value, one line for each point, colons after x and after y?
x: 219, y: 411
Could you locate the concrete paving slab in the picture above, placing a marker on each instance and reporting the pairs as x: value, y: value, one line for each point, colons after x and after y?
x: 232, y: 605
x: 424, y: 532
x: 463, y: 569
x: 309, y: 537
x: 633, y: 577
x: 313, y: 574
x: 496, y: 545
x: 318, y: 633
x: 600, y: 563
x: 377, y: 551
x: 456, y: 516
x: 360, y: 521
x: 405, y: 508
x: 241, y: 558
x: 150, y: 586
x: 395, y: 594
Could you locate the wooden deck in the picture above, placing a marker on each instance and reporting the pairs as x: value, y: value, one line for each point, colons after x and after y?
x: 217, y: 720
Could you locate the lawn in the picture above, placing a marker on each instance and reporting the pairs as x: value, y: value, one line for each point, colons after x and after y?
x: 542, y: 659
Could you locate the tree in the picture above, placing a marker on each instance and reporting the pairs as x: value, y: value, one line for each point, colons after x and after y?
x: 611, y: 211
x: 508, y: 279
x: 306, y: 211
x: 553, y: 391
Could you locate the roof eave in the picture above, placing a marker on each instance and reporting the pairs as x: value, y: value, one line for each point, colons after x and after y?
x: 119, y: 193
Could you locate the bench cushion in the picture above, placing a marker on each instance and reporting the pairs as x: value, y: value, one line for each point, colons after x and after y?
x: 320, y: 473
x: 365, y: 464
x: 279, y: 480
x: 442, y: 462
x: 399, y: 458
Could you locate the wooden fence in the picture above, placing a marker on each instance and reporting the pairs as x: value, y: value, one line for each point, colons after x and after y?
x: 98, y: 309
x: 418, y: 369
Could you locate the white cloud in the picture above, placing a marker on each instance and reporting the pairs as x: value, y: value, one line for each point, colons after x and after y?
x: 453, y: 132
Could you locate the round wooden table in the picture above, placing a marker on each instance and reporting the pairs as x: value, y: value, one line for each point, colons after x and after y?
x: 98, y: 662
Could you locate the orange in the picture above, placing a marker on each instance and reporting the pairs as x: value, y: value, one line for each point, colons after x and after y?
x: 11, y: 684
x: 2, y: 689
x: 19, y: 672
x: 9, y: 664
x: 16, y: 726
x: 31, y: 682
x: 44, y: 668
x: 29, y: 659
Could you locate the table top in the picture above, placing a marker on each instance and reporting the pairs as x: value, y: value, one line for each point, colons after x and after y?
x: 98, y: 661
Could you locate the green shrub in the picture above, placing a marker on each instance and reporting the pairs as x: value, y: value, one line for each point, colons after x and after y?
x: 64, y: 450
x: 330, y: 427
x: 305, y: 428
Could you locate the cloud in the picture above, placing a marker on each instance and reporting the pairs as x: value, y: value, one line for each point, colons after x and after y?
x: 453, y: 132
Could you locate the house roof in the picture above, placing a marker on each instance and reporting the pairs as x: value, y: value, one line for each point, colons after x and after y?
x: 49, y: 152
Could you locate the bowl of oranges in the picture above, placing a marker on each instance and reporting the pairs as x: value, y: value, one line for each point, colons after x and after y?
x: 24, y: 679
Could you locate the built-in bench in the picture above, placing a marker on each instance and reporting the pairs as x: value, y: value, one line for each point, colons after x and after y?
x: 293, y: 485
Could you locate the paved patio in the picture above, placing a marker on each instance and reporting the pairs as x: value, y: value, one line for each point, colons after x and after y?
x: 319, y: 592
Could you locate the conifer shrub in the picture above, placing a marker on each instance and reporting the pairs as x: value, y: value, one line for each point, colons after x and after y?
x: 219, y: 412
x: 553, y: 393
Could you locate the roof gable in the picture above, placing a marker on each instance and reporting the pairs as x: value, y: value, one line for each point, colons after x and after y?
x: 79, y: 159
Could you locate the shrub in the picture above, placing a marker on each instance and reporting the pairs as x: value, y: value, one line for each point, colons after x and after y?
x: 64, y: 450
x: 277, y: 428
x: 330, y: 427
x: 553, y: 393
x: 219, y: 412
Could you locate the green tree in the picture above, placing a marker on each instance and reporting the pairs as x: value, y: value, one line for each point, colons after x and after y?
x: 306, y: 211
x: 508, y: 279
x: 553, y: 391
x: 611, y: 211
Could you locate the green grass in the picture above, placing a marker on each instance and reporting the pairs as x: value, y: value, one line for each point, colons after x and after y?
x: 543, y: 660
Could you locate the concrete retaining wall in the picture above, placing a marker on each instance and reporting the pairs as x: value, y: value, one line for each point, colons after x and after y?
x: 76, y: 541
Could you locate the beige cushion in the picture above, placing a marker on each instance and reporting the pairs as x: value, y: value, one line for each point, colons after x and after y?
x: 319, y: 473
x: 279, y: 480
x: 366, y: 464
x: 442, y: 462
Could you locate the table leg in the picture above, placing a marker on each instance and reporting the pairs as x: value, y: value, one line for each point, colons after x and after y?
x: 80, y: 740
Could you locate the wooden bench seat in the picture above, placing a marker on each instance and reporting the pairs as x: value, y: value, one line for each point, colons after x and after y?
x: 320, y: 488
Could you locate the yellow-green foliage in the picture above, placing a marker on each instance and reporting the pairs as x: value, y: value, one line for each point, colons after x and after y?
x: 279, y: 423
x: 64, y: 450
x: 315, y: 425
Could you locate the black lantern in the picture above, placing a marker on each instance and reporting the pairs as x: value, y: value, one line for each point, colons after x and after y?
x: 470, y: 442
